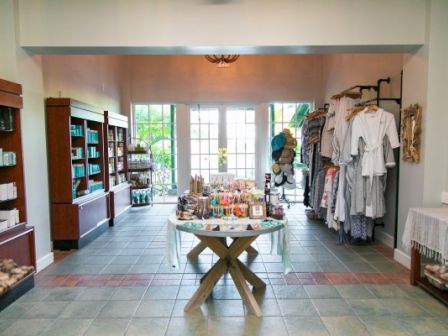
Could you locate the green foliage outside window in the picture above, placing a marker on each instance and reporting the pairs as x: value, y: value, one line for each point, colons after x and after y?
x: 155, y: 127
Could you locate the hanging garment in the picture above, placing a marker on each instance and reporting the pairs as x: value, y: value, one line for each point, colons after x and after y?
x: 362, y: 227
x: 345, y: 106
x: 328, y: 132
x: 327, y: 197
x: 372, y: 127
x: 367, y: 197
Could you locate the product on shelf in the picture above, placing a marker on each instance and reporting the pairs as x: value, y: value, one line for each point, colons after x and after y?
x: 94, y: 168
x: 92, y: 136
x: 93, y: 152
x: 7, y: 158
x: 141, y: 196
x: 78, y: 170
x: 95, y: 185
x: 8, y: 191
x: 76, y: 130
x: 6, y: 119
x: 9, y: 218
x: 77, y: 153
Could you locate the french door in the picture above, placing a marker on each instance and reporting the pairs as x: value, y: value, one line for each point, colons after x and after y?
x: 222, y: 140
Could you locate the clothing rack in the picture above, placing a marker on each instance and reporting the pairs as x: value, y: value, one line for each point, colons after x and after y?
x: 378, y: 93
x: 342, y: 237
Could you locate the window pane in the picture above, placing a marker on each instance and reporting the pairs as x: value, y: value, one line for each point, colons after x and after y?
x: 214, y: 161
x: 231, y: 161
x: 250, y: 116
x: 231, y: 146
x: 240, y: 161
x: 250, y: 161
x: 195, y: 162
x: 194, y: 116
x: 231, y: 132
x: 213, y: 146
x: 205, y: 162
x: 166, y: 114
x: 155, y: 113
x: 214, y: 132
x: 214, y: 116
x: 141, y: 113
x: 195, y: 146
x: 250, y: 131
x: 204, y: 131
x: 250, y: 147
x: 203, y: 115
x: 204, y: 146
x: 194, y: 131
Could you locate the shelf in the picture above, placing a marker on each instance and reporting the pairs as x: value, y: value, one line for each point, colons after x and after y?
x: 434, y: 291
x: 92, y: 143
x: 89, y: 196
x: 142, y: 187
x: 8, y: 166
x: 75, y: 159
x: 9, y: 200
x: 77, y: 136
x: 7, y: 131
x: 94, y: 157
x: 95, y: 173
x: 140, y: 204
x: 138, y: 152
x: 138, y: 169
x: 12, y: 228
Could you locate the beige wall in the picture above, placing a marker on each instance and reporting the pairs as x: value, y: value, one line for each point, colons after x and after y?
x: 21, y: 67
x: 91, y: 79
x: 190, y: 25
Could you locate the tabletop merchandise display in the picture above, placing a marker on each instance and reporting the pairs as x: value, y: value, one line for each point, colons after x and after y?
x: 217, y: 214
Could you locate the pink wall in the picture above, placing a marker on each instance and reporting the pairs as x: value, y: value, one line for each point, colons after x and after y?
x: 252, y: 78
x: 92, y: 79
x: 342, y: 71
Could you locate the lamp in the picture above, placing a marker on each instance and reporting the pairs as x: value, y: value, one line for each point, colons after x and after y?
x: 222, y: 61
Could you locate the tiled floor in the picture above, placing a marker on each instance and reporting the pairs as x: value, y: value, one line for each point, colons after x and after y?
x: 120, y: 285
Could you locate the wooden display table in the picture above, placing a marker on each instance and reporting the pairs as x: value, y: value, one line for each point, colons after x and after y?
x: 228, y: 254
x: 426, y: 232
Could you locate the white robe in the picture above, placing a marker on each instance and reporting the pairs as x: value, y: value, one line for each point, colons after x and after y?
x: 372, y: 127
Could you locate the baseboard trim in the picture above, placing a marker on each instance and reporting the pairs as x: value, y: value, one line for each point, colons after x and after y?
x: 44, y: 262
x: 384, y: 238
x: 402, y: 258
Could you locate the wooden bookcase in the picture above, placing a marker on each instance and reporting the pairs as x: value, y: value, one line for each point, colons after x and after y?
x: 116, y: 152
x: 76, y: 160
x: 17, y: 241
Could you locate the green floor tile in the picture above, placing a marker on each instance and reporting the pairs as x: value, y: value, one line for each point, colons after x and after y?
x: 321, y: 291
x: 344, y: 326
x: 305, y: 326
x: 147, y: 326
x: 332, y: 307
x: 297, y: 307
x: 68, y: 327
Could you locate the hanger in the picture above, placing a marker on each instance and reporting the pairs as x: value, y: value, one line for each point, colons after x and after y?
x: 371, y: 108
x: 349, y: 94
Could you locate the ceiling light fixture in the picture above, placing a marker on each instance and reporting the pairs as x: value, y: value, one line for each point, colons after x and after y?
x: 222, y: 61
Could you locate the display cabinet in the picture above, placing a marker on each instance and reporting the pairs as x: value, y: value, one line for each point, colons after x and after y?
x: 16, y: 237
x: 115, y: 149
x: 77, y: 174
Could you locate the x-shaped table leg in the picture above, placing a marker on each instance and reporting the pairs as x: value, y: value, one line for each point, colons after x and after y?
x: 228, y: 262
x: 200, y: 247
